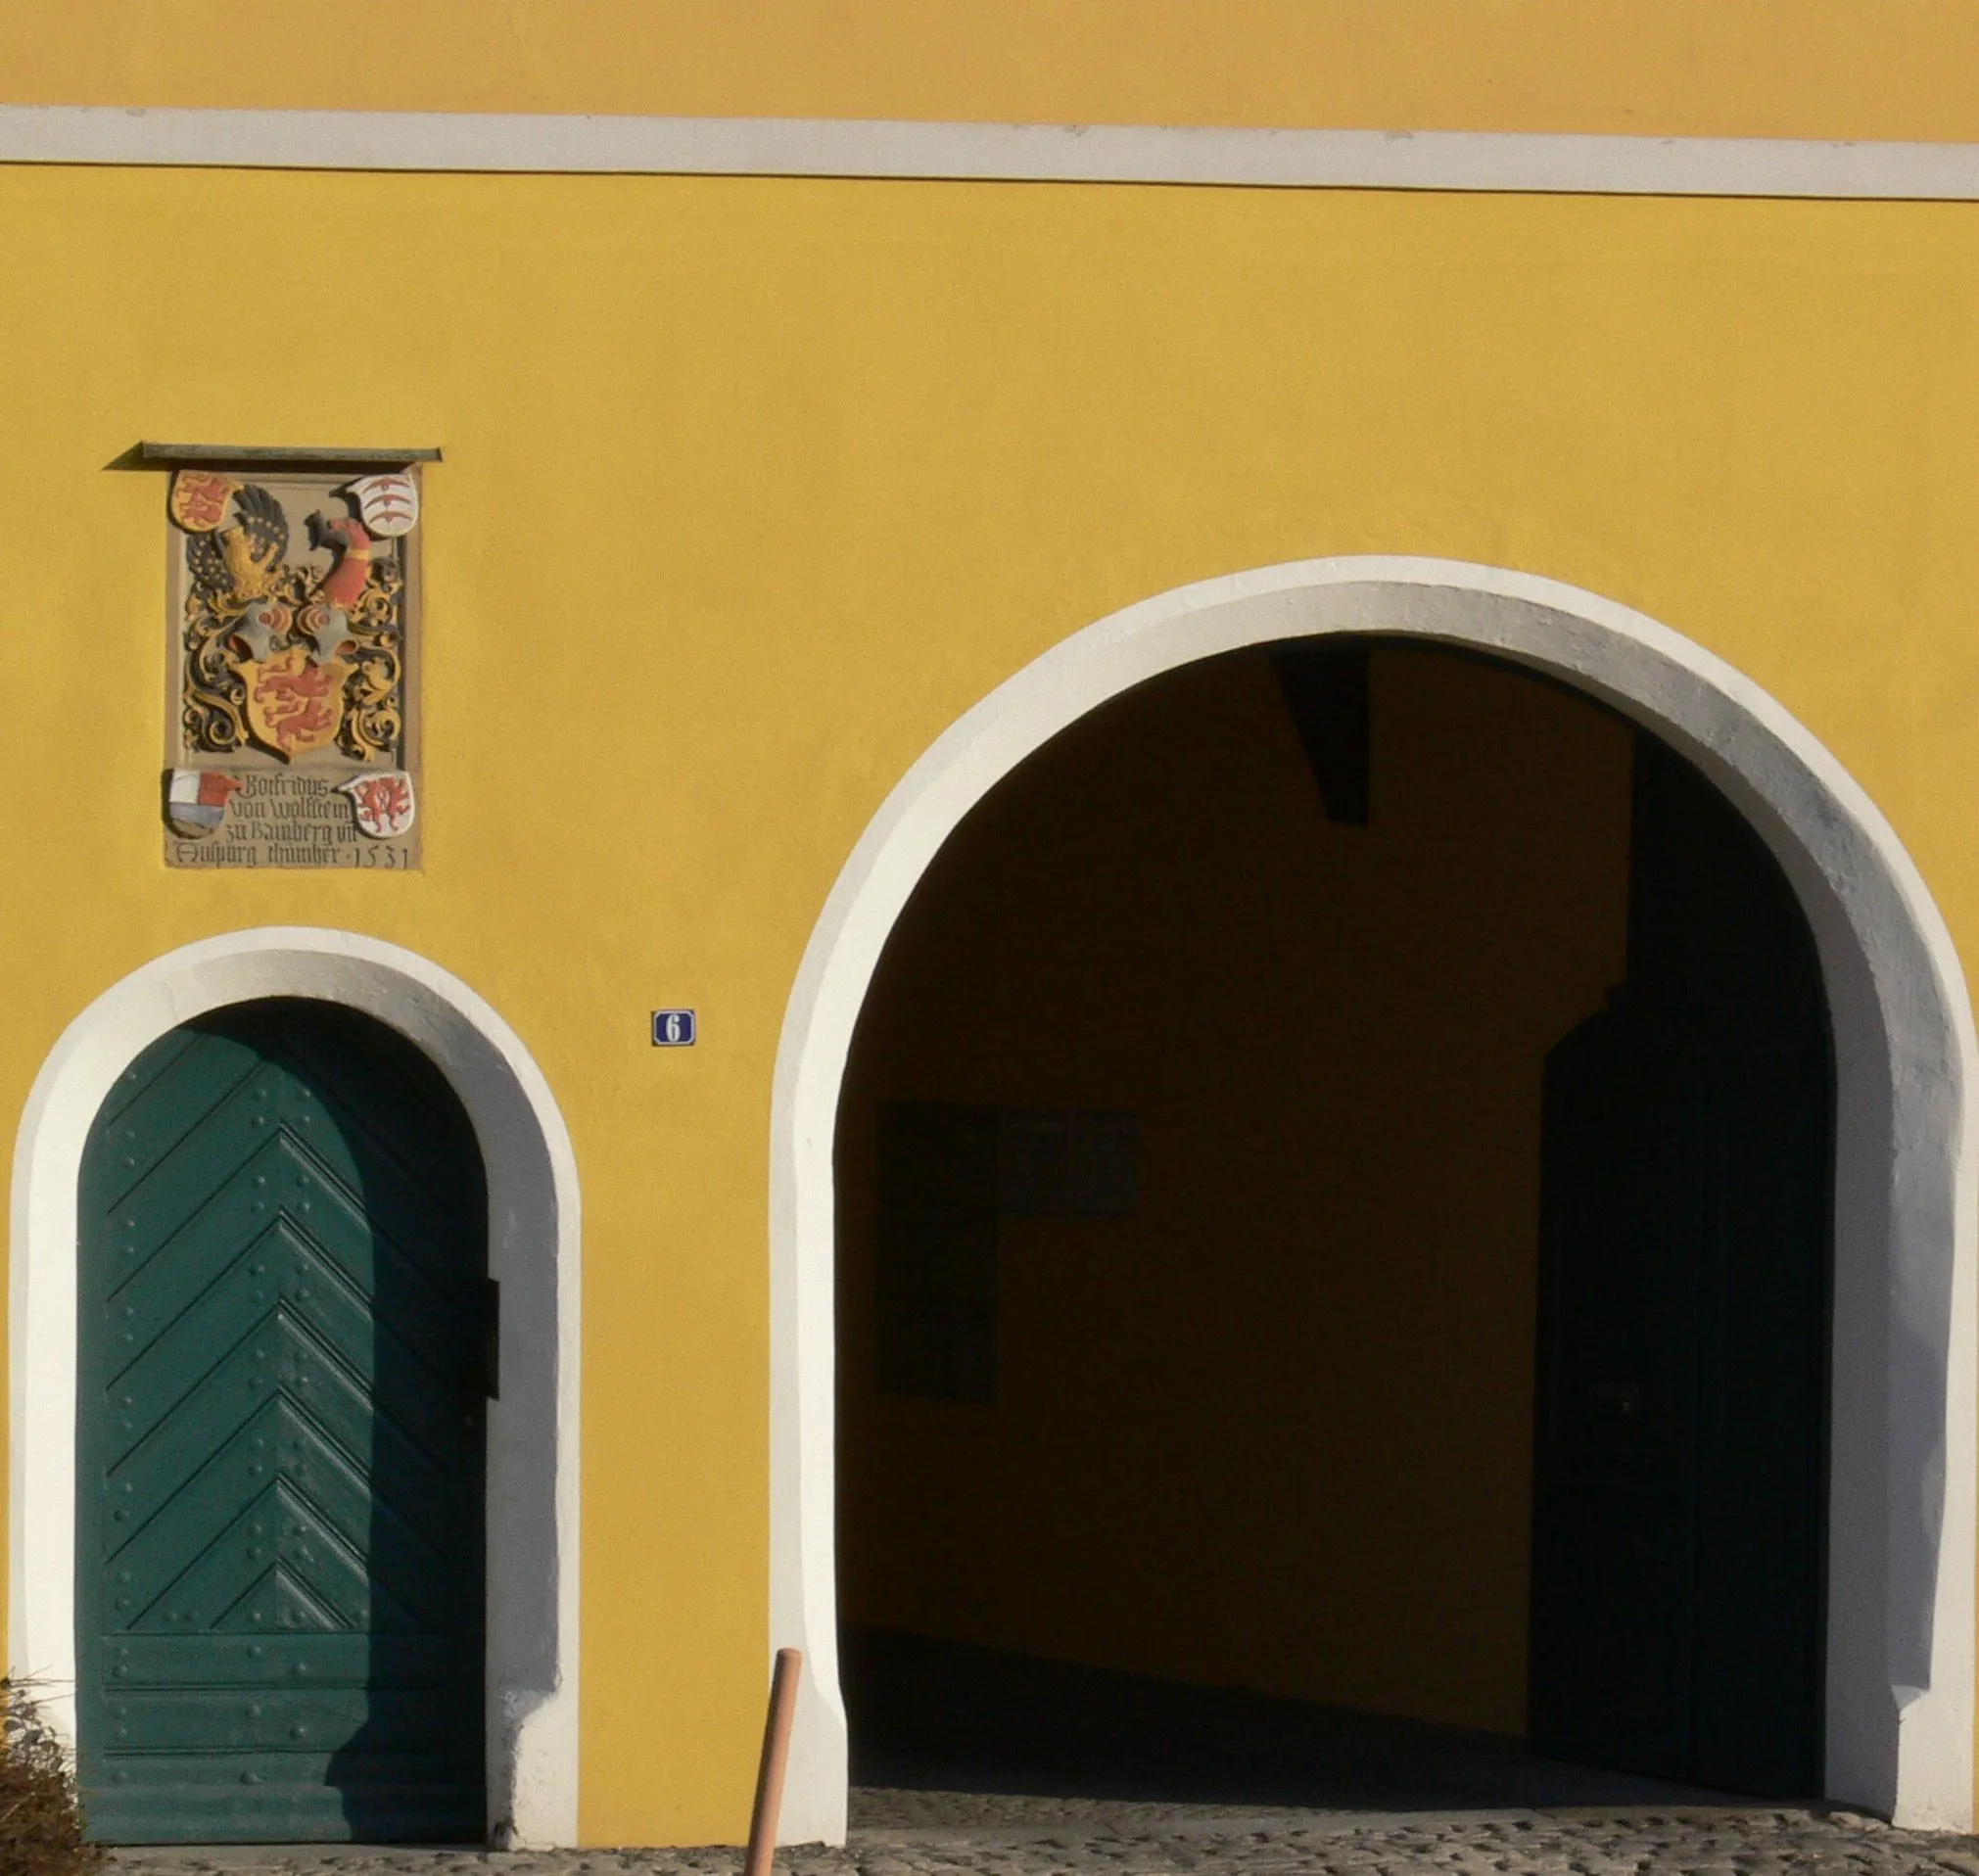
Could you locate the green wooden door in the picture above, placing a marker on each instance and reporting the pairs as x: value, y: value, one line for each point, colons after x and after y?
x: 279, y: 1502
x: 1678, y: 1529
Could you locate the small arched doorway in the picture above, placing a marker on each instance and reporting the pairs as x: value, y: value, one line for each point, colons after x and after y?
x: 285, y: 1349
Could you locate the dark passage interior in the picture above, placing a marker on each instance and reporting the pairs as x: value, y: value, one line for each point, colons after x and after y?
x: 1334, y: 1185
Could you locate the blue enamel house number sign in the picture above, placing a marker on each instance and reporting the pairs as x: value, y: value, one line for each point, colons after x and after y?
x: 674, y: 1029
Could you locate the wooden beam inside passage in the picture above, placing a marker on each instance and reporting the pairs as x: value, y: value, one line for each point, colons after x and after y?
x: 1325, y: 687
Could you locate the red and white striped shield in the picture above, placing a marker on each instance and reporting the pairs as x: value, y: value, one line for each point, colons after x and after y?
x: 387, y: 504
x: 195, y: 800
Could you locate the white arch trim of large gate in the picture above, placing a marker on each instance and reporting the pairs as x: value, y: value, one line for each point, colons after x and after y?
x: 1901, y: 1557
x: 532, y: 1660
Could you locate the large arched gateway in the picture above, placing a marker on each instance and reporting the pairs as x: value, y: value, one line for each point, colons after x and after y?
x: 1897, y: 1725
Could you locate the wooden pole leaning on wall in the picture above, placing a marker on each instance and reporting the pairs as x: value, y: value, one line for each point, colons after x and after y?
x: 775, y: 1758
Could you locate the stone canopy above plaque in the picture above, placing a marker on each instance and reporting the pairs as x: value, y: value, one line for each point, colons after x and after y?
x: 292, y: 620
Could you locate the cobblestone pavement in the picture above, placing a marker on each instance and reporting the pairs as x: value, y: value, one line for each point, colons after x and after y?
x: 934, y: 1834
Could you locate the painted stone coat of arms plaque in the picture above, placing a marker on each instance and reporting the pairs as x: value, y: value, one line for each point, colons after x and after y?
x: 291, y: 738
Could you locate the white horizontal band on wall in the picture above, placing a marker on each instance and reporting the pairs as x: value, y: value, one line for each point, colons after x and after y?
x: 549, y: 144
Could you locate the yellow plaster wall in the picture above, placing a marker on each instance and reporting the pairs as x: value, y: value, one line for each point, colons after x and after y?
x: 1275, y: 1429
x: 1892, y: 69
x: 752, y: 486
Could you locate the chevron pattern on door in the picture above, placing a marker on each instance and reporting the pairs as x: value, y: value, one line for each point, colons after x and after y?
x: 282, y: 1376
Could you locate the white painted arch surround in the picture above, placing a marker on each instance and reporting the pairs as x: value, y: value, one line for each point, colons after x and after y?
x: 532, y: 1660
x: 1901, y: 1598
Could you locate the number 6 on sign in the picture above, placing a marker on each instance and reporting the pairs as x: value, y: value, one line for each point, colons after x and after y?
x: 674, y: 1029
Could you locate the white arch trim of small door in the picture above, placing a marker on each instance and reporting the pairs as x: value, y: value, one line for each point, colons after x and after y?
x: 1900, y: 1551
x: 531, y: 1664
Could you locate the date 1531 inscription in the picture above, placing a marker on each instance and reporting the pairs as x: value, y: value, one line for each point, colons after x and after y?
x: 279, y: 821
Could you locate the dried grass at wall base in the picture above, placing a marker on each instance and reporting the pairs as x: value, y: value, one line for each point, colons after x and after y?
x: 40, y: 1822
